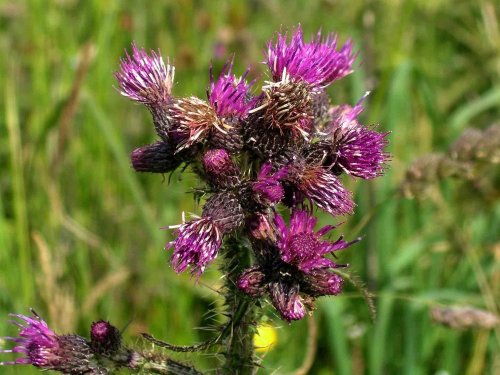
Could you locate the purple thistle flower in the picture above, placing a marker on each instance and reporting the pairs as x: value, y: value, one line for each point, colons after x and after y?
x: 356, y: 149
x: 293, y: 268
x: 301, y: 246
x: 197, y: 244
x: 268, y: 185
x: 43, y: 348
x: 145, y: 78
x: 230, y: 95
x: 318, y: 62
x: 321, y: 187
x: 36, y: 341
x: 220, y: 170
x: 198, y: 241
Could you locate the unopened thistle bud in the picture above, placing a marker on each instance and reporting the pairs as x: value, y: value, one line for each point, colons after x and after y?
x: 261, y: 227
x: 287, y: 301
x: 267, y: 188
x: 251, y: 282
x: 158, y: 157
x: 105, y: 338
x: 220, y: 170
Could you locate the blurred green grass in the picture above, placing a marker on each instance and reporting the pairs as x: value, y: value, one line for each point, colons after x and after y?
x: 80, y: 232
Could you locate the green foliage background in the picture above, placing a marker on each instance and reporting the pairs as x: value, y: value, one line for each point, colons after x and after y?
x: 80, y: 232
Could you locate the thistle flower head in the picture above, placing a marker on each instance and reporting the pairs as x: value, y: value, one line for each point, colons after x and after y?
x: 197, y: 244
x: 194, y: 119
x: 355, y: 149
x: 43, y: 348
x: 293, y: 268
x: 268, y: 186
x: 286, y: 109
x: 301, y: 246
x: 321, y: 187
x: 198, y: 241
x: 145, y: 78
x: 230, y: 95
x: 318, y: 62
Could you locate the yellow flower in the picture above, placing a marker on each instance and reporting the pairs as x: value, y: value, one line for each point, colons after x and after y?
x: 265, y: 338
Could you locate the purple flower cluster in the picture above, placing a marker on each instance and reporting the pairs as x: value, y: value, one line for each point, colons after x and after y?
x: 285, y: 147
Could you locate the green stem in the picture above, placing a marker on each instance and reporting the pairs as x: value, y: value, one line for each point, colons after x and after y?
x: 238, y: 343
x: 152, y: 364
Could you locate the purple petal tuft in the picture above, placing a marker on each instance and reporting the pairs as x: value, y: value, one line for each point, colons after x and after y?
x: 196, y: 245
x: 145, y: 78
x: 230, y: 95
x: 318, y: 62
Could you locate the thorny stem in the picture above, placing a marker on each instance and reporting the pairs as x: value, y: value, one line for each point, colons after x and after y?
x: 239, y: 349
x: 152, y: 363
x: 178, y: 348
x: 236, y: 337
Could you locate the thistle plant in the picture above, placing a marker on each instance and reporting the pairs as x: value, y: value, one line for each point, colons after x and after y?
x: 268, y: 161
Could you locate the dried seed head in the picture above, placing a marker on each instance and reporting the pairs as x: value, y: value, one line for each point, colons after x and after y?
x: 428, y: 170
x: 465, y: 147
x: 488, y: 148
x: 194, y: 119
x: 464, y: 317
